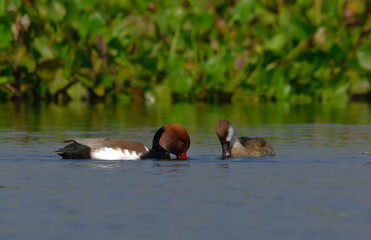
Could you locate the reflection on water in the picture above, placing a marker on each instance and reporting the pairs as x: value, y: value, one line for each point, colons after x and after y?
x: 172, y: 168
x: 82, y: 116
x: 40, y: 123
x: 103, y: 166
x: 172, y: 165
x: 10, y: 187
x: 223, y: 165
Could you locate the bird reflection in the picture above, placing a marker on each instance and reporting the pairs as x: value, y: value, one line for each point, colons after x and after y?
x: 223, y: 165
x: 103, y: 166
x: 174, y: 167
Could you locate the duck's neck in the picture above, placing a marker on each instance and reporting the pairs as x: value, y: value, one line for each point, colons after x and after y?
x: 232, y: 135
x: 159, y: 152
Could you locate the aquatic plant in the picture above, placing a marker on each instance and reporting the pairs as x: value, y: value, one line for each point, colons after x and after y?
x: 298, y: 51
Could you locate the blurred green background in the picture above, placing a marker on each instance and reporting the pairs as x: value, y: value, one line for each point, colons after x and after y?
x: 299, y: 51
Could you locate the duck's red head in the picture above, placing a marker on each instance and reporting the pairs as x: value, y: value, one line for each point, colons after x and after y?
x: 175, y: 139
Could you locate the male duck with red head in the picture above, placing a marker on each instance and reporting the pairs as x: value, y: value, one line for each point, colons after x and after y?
x: 234, y: 146
x: 172, y: 138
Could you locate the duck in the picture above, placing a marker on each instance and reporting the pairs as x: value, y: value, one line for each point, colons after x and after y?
x: 367, y: 153
x: 172, y: 138
x: 234, y: 146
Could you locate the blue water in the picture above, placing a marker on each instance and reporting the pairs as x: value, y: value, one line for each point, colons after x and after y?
x: 317, y: 187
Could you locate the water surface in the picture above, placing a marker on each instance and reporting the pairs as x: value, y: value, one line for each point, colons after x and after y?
x: 317, y: 187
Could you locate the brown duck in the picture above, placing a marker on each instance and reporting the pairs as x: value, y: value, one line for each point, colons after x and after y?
x: 172, y: 138
x: 233, y: 146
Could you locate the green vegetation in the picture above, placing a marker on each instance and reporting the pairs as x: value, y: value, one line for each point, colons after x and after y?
x: 247, y: 50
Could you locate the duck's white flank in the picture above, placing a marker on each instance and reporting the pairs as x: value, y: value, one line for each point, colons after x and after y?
x: 106, y: 153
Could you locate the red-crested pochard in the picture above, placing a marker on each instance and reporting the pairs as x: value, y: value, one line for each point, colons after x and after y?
x: 172, y: 138
x: 233, y: 146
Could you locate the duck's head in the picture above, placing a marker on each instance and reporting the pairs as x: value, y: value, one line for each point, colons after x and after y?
x: 173, y: 138
x: 227, y: 135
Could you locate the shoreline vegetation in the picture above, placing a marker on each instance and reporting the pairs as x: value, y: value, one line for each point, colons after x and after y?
x: 125, y: 51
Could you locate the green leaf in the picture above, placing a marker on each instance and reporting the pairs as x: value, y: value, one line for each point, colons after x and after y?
x: 281, y: 88
x: 42, y: 89
x: 134, y: 26
x: 57, y: 11
x: 180, y: 82
x: 100, y: 90
x: 123, y: 98
x: 176, y: 62
x: 42, y: 10
x: 81, y: 59
x: 72, y: 13
x: 304, y: 4
x: 336, y: 94
x: 86, y: 5
x: 46, y: 70
x: 245, y: 10
x: 83, y: 26
x: 262, y: 77
x: 176, y: 15
x: 43, y: 45
x: 202, y: 22
x: 96, y: 21
x: 6, y: 36
x: 58, y: 83
x: 84, y: 79
x: 4, y: 79
x: 276, y: 43
x: 77, y: 91
x: 107, y: 80
x: 140, y: 6
x: 160, y: 93
x: 12, y: 3
x: 360, y: 87
x: 364, y: 56
x: 162, y: 22
x: 337, y: 53
x: 90, y: 23
x: 25, y: 59
x: 300, y: 30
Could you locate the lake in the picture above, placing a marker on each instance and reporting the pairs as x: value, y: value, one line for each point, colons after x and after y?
x: 317, y: 187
